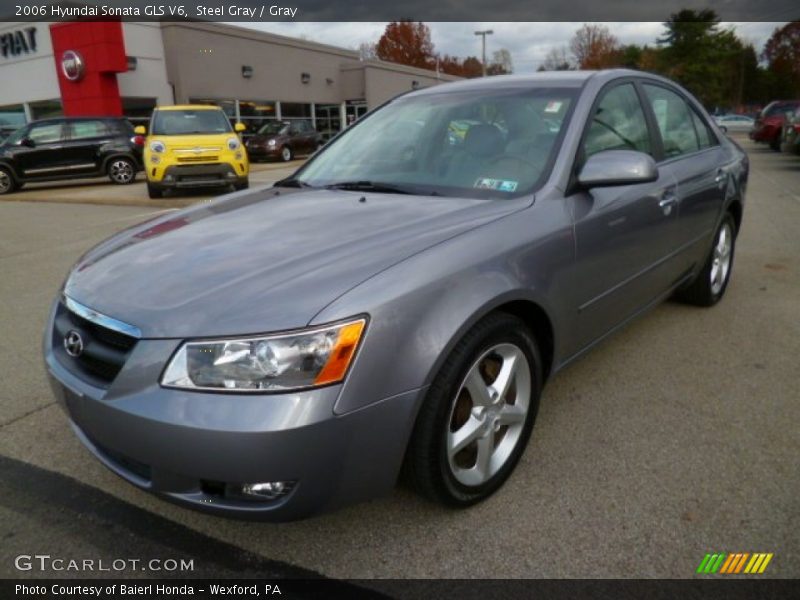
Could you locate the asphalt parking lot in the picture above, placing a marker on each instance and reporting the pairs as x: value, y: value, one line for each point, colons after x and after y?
x: 677, y: 437
x: 98, y: 190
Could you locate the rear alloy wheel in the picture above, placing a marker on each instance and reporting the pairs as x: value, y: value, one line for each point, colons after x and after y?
x: 712, y: 281
x: 122, y: 171
x: 286, y: 154
x: 7, y: 184
x: 478, y: 414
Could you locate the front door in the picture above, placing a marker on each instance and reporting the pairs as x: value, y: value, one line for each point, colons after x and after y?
x: 623, y: 234
x: 39, y: 152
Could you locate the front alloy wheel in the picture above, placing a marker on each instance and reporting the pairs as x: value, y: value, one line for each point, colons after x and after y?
x: 488, y: 414
x: 477, y: 415
x: 121, y: 171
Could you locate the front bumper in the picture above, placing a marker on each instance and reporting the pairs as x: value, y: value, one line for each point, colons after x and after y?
x: 197, y: 176
x: 187, y: 446
x: 264, y: 151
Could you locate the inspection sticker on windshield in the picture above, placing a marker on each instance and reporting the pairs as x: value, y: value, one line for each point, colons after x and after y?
x: 503, y: 185
x: 553, y: 106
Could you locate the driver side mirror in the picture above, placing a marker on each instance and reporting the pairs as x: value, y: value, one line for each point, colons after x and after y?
x: 27, y: 142
x: 140, y: 130
x: 617, y: 167
x: 239, y: 127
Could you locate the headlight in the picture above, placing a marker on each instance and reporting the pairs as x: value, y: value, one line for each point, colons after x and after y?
x: 271, y: 143
x: 282, y: 362
x: 156, y: 146
x: 233, y: 143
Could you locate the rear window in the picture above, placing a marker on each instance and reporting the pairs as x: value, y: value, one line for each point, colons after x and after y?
x: 190, y: 122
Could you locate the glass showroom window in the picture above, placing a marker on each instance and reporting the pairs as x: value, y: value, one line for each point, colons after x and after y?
x: 256, y: 113
x: 45, y: 109
x: 138, y: 110
x: 12, y: 117
x: 296, y: 111
x: 329, y: 119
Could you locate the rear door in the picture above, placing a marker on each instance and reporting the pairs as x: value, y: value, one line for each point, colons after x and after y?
x: 623, y: 234
x: 692, y: 154
x: 85, y: 141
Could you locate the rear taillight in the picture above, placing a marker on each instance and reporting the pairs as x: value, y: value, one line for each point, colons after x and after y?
x: 138, y: 140
x: 796, y: 127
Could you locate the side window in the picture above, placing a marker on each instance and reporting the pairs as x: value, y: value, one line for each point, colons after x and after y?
x: 618, y: 123
x: 46, y: 133
x: 704, y: 137
x: 84, y: 130
x: 675, y: 121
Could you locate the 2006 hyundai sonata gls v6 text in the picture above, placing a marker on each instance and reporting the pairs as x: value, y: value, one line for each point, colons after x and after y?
x: 398, y: 303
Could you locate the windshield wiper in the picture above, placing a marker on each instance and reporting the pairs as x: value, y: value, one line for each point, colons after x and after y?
x: 368, y: 186
x: 291, y: 182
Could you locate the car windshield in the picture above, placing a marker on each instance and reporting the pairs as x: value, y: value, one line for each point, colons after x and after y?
x: 477, y: 144
x: 273, y: 127
x: 190, y: 122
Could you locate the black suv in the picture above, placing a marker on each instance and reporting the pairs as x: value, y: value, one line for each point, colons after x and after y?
x: 70, y: 148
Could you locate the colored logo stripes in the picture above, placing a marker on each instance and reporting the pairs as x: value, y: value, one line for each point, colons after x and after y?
x: 734, y: 563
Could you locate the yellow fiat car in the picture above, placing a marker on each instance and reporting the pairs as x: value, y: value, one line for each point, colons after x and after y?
x: 193, y: 146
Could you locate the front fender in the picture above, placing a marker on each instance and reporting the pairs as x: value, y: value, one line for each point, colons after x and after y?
x: 423, y: 306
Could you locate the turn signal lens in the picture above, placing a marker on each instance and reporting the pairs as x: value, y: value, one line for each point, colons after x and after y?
x: 341, y: 355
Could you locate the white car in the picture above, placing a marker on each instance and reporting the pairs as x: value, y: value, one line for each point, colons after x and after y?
x: 734, y: 123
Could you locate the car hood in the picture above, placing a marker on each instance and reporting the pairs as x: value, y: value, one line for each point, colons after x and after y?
x: 260, y: 262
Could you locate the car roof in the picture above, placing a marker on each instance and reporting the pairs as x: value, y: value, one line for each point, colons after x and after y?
x: 189, y: 107
x: 567, y: 79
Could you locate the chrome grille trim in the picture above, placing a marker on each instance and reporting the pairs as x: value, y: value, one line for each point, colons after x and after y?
x: 101, y: 319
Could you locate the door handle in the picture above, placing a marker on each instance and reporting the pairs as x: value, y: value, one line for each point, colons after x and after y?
x: 720, y: 176
x: 668, y: 200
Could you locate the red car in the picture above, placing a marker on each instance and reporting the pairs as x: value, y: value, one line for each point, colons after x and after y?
x: 769, y: 123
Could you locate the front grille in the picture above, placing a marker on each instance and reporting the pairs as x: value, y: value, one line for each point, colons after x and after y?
x: 104, y: 350
x: 197, y: 159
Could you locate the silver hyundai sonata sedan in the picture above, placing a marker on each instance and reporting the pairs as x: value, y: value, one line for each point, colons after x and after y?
x: 396, y: 305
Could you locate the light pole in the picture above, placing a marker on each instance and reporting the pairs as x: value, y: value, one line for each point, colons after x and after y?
x: 483, y: 35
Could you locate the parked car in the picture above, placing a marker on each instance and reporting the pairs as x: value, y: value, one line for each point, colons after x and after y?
x: 193, y: 146
x: 769, y: 123
x: 735, y: 123
x: 287, y: 351
x: 70, y: 148
x: 284, y: 140
x: 791, y: 134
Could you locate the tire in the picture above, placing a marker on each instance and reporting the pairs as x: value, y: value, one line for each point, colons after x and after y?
x: 242, y: 185
x: 434, y: 465
x: 710, y: 284
x: 121, y: 170
x: 7, y: 183
x: 286, y: 154
x: 154, y: 191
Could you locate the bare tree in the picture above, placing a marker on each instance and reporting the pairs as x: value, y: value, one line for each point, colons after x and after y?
x: 595, y: 47
x: 501, y: 63
x: 366, y: 51
x: 557, y: 59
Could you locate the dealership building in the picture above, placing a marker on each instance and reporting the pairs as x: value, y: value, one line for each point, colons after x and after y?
x: 90, y: 67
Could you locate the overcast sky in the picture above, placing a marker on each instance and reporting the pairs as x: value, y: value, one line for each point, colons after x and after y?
x: 527, y: 42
